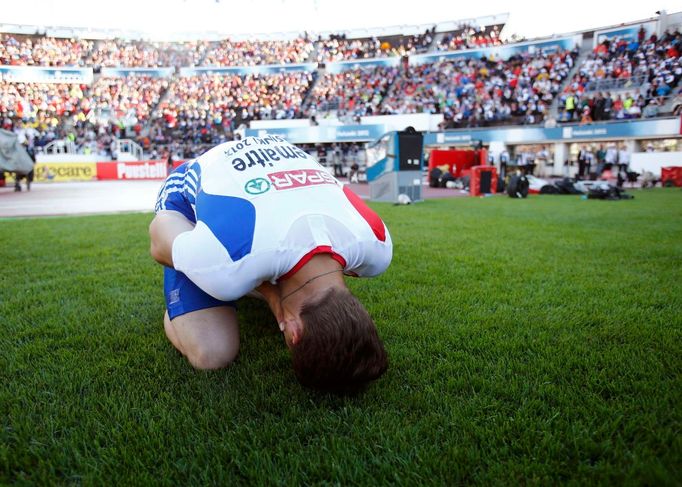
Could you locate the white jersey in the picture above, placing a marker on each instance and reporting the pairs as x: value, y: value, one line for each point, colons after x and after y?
x: 263, y: 208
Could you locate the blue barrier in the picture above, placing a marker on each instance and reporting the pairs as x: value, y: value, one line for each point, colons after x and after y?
x: 571, y: 132
x: 325, y: 133
x: 341, y: 66
x: 500, y: 52
x: 151, y: 72
x: 38, y: 74
x: 246, y: 70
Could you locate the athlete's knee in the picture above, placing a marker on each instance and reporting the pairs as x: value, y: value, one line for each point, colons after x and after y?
x: 209, y: 337
x: 210, y: 356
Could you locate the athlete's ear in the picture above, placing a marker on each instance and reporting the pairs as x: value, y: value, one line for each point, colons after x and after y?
x: 293, y: 331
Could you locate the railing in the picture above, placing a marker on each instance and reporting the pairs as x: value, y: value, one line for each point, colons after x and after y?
x: 610, y: 84
x: 127, y: 146
x: 325, y: 106
x: 63, y: 146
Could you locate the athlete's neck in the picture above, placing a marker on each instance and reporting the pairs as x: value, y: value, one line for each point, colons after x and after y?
x: 316, y: 276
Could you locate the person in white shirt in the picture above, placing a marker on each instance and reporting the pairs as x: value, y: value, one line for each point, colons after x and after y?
x: 262, y: 215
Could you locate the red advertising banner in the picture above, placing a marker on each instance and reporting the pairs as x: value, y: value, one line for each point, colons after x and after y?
x: 131, y: 170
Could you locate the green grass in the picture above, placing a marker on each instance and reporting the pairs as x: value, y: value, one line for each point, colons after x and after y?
x: 531, y: 341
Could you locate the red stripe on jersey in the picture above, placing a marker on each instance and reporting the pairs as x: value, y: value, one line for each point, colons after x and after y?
x: 322, y: 249
x: 370, y: 217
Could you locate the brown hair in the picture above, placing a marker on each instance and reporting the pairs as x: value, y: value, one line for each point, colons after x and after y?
x: 340, y: 350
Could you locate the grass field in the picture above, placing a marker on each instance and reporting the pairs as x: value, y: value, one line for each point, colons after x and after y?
x: 531, y: 341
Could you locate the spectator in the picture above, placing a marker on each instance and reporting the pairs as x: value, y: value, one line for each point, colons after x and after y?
x: 18, y: 50
x: 251, y: 53
x: 470, y: 92
x: 359, y: 91
x: 470, y: 37
x: 137, y: 54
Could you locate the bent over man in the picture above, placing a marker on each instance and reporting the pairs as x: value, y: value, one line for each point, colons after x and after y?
x: 261, y: 215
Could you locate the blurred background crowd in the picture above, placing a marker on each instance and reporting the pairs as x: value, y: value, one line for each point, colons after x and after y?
x: 183, y: 115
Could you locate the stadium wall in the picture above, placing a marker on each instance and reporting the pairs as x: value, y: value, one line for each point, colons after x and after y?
x: 504, y: 51
x: 63, y: 167
x: 420, y: 121
x: 654, y: 161
x: 38, y: 74
x: 246, y: 70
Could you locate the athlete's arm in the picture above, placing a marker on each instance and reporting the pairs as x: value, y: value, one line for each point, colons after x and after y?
x: 165, y: 226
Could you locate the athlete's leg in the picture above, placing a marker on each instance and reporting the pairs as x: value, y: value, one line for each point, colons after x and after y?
x: 202, y: 328
x: 209, y: 338
x: 171, y: 333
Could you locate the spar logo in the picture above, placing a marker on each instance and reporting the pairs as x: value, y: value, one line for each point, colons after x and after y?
x: 257, y: 186
x: 300, y: 178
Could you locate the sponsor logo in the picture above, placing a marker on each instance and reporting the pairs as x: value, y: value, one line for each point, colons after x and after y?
x: 300, y: 178
x: 65, y: 171
x: 156, y: 170
x: 257, y: 186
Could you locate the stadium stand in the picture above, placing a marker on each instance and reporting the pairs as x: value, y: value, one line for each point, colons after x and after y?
x: 337, y: 48
x: 253, y: 53
x: 620, y: 79
x: 473, y: 92
x: 644, y: 72
x: 471, y: 37
x: 139, y: 54
x: 200, y: 111
x: 358, y: 92
x: 130, y: 98
x: 340, y: 48
x: 16, y: 50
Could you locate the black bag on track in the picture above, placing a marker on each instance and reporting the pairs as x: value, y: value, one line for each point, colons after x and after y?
x: 518, y: 186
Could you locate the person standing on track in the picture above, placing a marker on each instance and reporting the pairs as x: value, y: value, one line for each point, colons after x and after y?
x: 262, y: 215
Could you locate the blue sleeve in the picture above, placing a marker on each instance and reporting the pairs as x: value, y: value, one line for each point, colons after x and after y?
x: 180, y: 189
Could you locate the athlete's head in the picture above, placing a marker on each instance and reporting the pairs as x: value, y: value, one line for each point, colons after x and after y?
x: 339, y: 349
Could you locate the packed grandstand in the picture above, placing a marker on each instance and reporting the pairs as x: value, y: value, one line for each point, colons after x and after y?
x: 186, y: 96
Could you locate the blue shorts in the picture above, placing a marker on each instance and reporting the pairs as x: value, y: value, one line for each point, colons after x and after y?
x: 182, y: 295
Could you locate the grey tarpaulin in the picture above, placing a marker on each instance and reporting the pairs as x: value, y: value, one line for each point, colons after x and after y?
x: 13, y: 155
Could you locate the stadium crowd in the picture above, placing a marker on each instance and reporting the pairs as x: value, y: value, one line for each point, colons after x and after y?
x: 86, y: 116
x: 648, y: 68
x: 408, y: 45
x: 140, y: 54
x: 182, y: 115
x: 357, y: 92
x: 473, y: 92
x: 253, y: 97
x: 340, y: 48
x: 18, y: 50
x: 131, y: 98
x: 252, y: 53
x: 470, y: 37
x: 201, y: 111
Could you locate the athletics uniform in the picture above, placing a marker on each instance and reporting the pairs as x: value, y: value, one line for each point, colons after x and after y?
x: 262, y: 209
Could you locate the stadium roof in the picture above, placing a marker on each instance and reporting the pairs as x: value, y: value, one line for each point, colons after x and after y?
x: 176, y: 19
